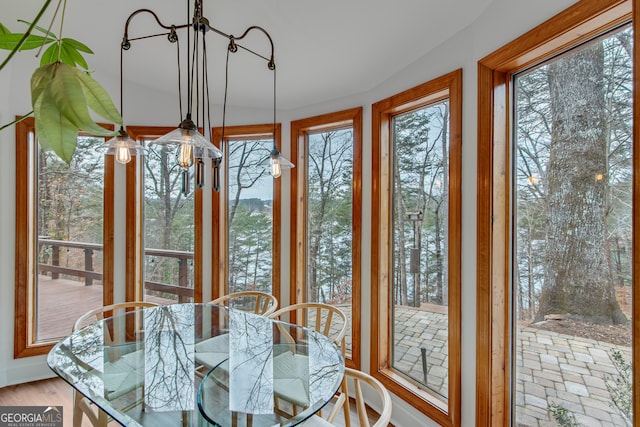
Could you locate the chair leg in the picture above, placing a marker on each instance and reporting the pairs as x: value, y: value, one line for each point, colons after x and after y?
x: 82, y: 406
x: 77, y: 411
x: 345, y: 406
x: 102, y: 418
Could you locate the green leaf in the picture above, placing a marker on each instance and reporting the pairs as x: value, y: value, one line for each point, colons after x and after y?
x: 54, y: 130
x: 76, y: 45
x: 20, y: 43
x: 98, y: 99
x: 69, y: 53
x: 3, y: 29
x: 40, y: 80
x: 65, y: 57
x: 60, y: 107
x: 50, y: 55
x: 11, y: 40
x: 68, y: 96
x: 73, y: 55
x: 42, y: 30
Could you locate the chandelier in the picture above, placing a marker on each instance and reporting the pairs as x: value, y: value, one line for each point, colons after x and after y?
x: 192, y: 146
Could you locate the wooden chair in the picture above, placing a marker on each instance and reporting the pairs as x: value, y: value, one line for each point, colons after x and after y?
x: 358, y: 378
x: 323, y: 318
x: 254, y: 301
x: 82, y: 405
x: 214, y: 350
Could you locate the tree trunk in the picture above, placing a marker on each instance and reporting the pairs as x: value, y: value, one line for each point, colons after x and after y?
x: 400, y: 213
x: 438, y: 299
x: 443, y: 209
x: 576, y: 280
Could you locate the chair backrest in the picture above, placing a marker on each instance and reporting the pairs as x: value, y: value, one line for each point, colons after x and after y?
x: 81, y: 405
x: 111, y: 310
x: 253, y: 301
x: 323, y: 318
x: 359, y: 378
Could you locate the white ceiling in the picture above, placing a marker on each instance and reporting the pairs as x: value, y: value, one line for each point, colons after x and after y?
x: 324, y: 49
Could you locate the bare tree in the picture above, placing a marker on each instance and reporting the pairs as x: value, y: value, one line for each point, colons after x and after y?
x: 329, y: 191
x: 420, y: 174
x: 168, y: 212
x: 246, y: 169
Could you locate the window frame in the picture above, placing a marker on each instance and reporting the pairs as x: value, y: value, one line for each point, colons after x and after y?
x: 446, y: 413
x: 25, y: 344
x: 297, y: 273
x: 219, y: 227
x: 575, y: 24
x: 134, y: 268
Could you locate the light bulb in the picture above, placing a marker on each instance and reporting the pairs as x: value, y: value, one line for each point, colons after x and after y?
x: 185, y: 156
x: 123, y: 155
x: 276, y: 168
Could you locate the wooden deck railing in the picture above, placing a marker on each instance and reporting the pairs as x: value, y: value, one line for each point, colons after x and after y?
x: 56, y: 269
x: 181, y: 290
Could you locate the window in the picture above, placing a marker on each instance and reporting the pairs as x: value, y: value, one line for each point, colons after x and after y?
x: 172, y: 223
x: 326, y: 235
x: 246, y: 233
x: 63, y: 215
x: 416, y: 249
x: 555, y: 237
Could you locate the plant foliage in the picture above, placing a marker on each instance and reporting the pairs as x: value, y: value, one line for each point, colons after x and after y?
x: 62, y: 90
x: 562, y: 415
x: 621, y: 388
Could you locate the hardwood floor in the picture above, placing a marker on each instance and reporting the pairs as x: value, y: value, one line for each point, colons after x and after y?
x: 56, y: 392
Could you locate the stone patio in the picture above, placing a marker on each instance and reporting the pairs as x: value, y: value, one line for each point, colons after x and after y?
x: 553, y: 369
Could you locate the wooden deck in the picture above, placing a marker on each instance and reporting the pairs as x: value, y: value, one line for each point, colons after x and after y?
x: 61, y: 302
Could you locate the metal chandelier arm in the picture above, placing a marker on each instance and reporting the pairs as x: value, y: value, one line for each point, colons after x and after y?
x: 270, y: 61
x: 193, y: 146
x: 126, y: 41
x: 205, y: 26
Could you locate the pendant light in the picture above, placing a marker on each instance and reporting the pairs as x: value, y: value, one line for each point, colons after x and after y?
x: 192, y: 146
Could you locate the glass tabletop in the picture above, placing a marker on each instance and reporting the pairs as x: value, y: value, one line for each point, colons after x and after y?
x: 200, y: 364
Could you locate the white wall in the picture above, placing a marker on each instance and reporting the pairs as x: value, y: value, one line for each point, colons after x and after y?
x: 502, y: 21
x: 6, y: 225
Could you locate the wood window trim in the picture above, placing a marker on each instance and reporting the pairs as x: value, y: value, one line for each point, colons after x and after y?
x: 135, y: 200
x: 575, y: 24
x: 299, y: 130
x: 108, y: 238
x: 447, y: 86
x: 24, y: 343
x: 219, y: 272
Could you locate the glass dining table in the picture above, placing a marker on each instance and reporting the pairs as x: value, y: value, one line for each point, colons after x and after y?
x: 200, y: 365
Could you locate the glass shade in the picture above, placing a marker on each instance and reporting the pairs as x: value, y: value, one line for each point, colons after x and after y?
x: 123, y: 147
x: 192, y: 148
x: 277, y: 162
x: 191, y: 143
